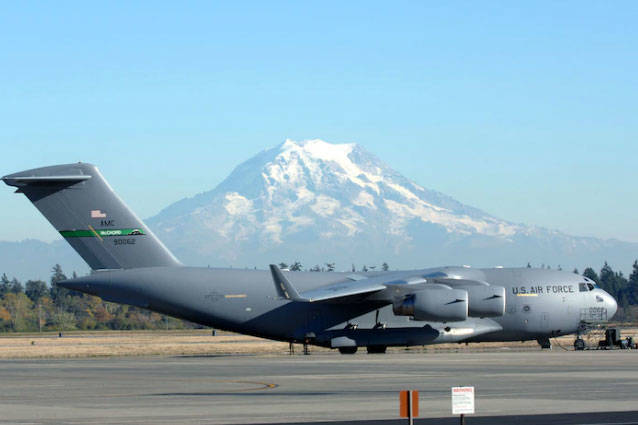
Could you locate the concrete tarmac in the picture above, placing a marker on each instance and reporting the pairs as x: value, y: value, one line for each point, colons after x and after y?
x: 320, y: 387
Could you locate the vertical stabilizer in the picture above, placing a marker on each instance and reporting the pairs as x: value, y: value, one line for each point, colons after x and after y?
x: 81, y: 205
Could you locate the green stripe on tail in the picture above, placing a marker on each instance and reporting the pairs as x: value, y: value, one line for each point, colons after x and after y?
x: 87, y: 233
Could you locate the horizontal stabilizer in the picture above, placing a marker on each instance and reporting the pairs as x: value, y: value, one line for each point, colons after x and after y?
x: 19, y: 181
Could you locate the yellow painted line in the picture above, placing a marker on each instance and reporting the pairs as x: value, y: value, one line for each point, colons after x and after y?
x: 95, y: 233
x: 235, y: 296
x: 527, y: 295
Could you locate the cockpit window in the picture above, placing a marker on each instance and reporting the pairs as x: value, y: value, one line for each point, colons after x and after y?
x: 590, y: 286
x: 582, y: 287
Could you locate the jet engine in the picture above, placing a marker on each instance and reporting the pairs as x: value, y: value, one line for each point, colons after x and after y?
x: 436, y: 303
x: 486, y: 301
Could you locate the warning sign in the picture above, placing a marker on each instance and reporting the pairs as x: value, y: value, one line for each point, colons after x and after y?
x: 462, y: 400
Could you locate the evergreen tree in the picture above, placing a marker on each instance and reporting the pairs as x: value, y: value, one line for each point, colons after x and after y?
x: 36, y: 289
x: 615, y: 283
x: 529, y: 266
x: 16, y: 287
x: 633, y: 284
x: 4, y: 285
x: 607, y: 278
x: 57, y: 292
x: 576, y: 271
x: 296, y: 267
x: 330, y: 267
x: 621, y: 288
x: 591, y: 274
x: 385, y: 267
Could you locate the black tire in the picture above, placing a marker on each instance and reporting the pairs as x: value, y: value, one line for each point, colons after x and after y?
x: 579, y: 344
x: 545, y: 343
x: 348, y: 350
x: 376, y: 349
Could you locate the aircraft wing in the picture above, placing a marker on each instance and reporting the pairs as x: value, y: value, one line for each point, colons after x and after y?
x: 399, y: 284
x: 326, y: 293
x: 343, y: 289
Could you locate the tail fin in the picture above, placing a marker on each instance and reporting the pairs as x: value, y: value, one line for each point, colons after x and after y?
x: 81, y: 205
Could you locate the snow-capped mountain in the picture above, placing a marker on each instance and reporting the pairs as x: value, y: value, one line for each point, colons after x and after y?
x: 320, y: 202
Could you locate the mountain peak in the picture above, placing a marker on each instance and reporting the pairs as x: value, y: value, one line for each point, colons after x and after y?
x: 316, y: 161
x: 304, y: 191
x: 318, y: 147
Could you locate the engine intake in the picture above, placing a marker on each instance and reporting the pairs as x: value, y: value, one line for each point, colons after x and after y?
x: 438, y: 303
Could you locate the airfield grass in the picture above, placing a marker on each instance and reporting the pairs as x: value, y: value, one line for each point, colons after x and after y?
x: 201, y: 342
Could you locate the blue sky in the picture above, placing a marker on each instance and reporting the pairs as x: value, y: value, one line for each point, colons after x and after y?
x: 527, y: 111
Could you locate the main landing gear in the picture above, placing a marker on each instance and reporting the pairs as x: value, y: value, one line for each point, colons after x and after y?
x: 545, y: 343
x: 376, y: 349
x: 348, y: 350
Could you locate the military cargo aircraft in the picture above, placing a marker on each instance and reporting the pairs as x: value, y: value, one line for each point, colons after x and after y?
x: 337, y: 310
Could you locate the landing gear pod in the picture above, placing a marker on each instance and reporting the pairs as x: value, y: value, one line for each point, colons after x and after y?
x: 438, y: 303
x: 486, y: 301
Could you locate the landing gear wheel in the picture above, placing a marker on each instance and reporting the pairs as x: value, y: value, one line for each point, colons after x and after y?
x: 579, y: 344
x: 545, y: 343
x: 348, y: 350
x: 376, y: 349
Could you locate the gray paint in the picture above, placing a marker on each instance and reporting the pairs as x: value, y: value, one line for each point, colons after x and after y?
x: 67, y: 194
x: 330, y: 309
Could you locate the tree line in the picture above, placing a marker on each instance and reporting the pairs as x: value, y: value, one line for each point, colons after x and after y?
x: 624, y: 290
x: 38, y: 306
x: 296, y: 266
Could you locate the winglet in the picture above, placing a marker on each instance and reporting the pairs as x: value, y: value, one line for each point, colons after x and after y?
x: 283, y: 287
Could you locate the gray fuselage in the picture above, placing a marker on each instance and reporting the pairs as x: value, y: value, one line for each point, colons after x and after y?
x: 539, y: 304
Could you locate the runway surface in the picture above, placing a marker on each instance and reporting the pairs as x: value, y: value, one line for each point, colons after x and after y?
x: 322, y: 387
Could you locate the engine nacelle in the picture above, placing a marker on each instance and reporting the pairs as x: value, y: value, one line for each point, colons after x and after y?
x: 437, y: 304
x: 486, y: 301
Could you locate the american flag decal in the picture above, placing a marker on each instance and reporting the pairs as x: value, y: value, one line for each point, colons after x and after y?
x: 97, y: 214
